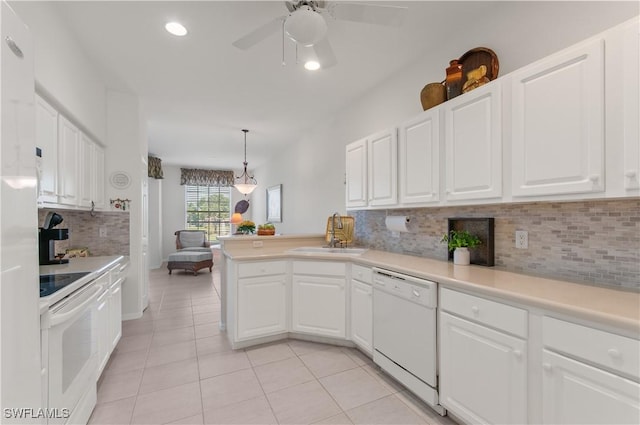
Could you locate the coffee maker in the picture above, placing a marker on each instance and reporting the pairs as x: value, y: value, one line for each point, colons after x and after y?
x: 46, y: 239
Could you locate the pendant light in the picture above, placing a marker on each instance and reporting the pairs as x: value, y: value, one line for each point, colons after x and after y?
x: 244, y: 182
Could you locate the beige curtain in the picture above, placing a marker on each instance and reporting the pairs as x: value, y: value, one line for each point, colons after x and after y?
x: 155, y: 168
x: 196, y: 177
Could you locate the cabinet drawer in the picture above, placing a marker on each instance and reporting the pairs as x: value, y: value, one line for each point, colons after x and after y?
x: 496, y: 315
x: 612, y: 351
x: 323, y: 268
x: 363, y: 274
x: 262, y: 268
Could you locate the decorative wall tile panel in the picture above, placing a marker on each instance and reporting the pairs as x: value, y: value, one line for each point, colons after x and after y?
x: 596, y: 242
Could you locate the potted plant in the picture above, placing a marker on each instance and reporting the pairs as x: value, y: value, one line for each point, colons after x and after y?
x: 247, y: 227
x: 266, y: 229
x: 459, y: 241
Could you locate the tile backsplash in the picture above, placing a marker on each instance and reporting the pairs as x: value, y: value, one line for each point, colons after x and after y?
x: 84, y: 231
x: 595, y: 242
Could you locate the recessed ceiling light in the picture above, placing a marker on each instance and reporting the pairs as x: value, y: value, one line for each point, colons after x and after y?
x: 176, y: 28
x: 312, y: 65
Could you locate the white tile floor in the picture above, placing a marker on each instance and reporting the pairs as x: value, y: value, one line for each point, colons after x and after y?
x: 174, y: 366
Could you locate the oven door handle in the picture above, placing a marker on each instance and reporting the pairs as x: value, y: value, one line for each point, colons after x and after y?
x: 57, y: 318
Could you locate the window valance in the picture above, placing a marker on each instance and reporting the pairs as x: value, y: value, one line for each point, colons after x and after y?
x: 196, y: 177
x: 155, y: 167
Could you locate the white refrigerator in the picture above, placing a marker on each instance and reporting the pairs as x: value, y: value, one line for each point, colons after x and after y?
x: 20, y: 382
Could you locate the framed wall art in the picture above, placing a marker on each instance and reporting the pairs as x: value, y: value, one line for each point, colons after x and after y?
x: 274, y: 204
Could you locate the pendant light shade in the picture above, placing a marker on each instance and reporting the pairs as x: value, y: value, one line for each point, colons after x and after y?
x: 244, y: 182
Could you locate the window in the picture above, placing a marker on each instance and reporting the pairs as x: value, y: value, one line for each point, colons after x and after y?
x: 208, y: 209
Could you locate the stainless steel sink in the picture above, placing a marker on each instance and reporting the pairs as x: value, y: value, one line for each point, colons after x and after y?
x: 322, y: 250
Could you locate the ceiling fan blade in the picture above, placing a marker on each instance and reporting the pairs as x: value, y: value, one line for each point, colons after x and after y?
x: 325, y: 54
x: 259, y: 34
x: 368, y: 13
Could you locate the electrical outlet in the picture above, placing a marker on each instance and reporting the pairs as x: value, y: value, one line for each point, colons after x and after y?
x: 257, y: 244
x: 522, y: 239
x: 103, y: 231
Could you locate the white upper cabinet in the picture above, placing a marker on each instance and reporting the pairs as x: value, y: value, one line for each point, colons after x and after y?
x: 372, y: 171
x: 356, y: 174
x: 86, y: 169
x: 558, y: 123
x: 47, y: 141
x: 68, y: 161
x: 473, y: 144
x: 622, y: 109
x: 383, y: 168
x: 419, y: 159
x: 629, y: 65
x: 98, y: 178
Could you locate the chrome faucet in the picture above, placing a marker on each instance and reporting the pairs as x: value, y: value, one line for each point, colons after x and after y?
x: 332, y: 243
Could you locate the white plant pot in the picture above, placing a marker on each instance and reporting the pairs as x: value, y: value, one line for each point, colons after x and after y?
x: 461, y: 256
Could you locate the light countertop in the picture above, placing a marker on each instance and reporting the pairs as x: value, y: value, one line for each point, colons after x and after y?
x: 608, y: 306
x: 95, y: 266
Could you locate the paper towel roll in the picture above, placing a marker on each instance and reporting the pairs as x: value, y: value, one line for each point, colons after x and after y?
x: 397, y: 223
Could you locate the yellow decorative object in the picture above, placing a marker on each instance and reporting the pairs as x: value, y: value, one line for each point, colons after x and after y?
x: 77, y: 252
x: 475, y: 78
x: 247, y: 227
x: 344, y: 235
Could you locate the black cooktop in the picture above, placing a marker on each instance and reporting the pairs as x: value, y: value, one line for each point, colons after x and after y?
x: 50, y: 283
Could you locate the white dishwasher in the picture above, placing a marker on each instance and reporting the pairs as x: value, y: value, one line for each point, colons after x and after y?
x: 404, y: 332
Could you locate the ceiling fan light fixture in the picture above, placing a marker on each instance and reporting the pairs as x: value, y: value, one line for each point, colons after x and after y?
x: 245, y: 183
x: 305, y: 26
x: 312, y: 65
x: 176, y: 28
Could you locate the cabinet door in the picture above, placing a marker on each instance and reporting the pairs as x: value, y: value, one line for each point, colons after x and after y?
x: 558, y: 123
x: 319, y: 305
x: 631, y: 107
x: 47, y: 141
x: 102, y: 319
x: 68, y: 161
x: 115, y: 314
x: 419, y: 159
x: 473, y: 144
x: 577, y: 393
x: 482, y: 373
x: 262, y: 306
x: 362, y: 315
x: 98, y: 178
x: 85, y: 171
x: 356, y: 174
x: 383, y: 168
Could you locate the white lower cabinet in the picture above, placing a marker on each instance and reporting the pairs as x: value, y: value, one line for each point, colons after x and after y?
x: 103, y: 330
x: 115, y: 313
x: 483, y: 371
x: 587, y: 375
x: 362, y: 308
x: 262, y: 299
x: 319, y: 298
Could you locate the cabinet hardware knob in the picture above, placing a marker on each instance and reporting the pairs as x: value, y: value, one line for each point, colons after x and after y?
x: 517, y: 353
x: 614, y: 352
x: 630, y: 174
x: 547, y: 367
x: 594, y: 178
x: 416, y: 293
x: 475, y: 309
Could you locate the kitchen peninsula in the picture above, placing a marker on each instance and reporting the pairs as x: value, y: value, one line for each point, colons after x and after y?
x: 539, y: 324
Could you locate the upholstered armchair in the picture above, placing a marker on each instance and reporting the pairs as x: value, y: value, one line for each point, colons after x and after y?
x: 192, y: 240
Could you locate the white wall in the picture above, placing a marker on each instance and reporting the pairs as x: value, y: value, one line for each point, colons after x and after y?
x: 312, y: 170
x: 64, y: 75
x: 127, y: 149
x: 155, y: 223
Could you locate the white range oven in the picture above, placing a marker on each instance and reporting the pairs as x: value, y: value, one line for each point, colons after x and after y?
x: 70, y: 353
x: 404, y: 332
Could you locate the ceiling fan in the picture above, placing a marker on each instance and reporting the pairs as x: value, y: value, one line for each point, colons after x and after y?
x: 306, y: 24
